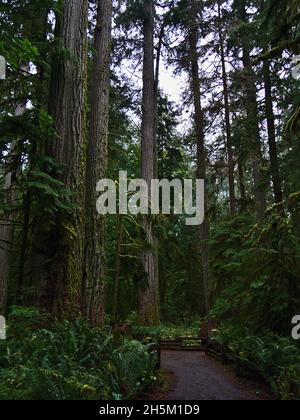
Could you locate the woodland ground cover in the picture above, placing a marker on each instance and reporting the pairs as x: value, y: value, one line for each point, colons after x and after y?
x: 42, y: 360
x: 274, y: 358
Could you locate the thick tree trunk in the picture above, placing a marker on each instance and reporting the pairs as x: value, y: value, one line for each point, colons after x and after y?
x: 94, y: 274
x: 275, y: 172
x: 60, y: 268
x: 232, y: 198
x: 149, y: 290
x: 201, y: 150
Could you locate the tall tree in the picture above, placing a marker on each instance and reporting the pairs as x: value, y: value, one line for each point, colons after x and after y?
x: 231, y: 165
x: 149, y: 290
x: 60, y: 269
x: 201, y: 149
x: 255, y: 146
x: 94, y: 268
x: 273, y: 152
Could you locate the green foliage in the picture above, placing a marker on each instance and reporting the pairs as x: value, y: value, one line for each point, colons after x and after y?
x: 277, y: 359
x: 257, y: 273
x: 24, y: 319
x: 134, y: 368
x: 19, y: 51
x: 169, y: 331
x: 70, y: 361
x: 283, y: 18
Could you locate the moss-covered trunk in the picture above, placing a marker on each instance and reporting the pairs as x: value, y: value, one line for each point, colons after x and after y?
x: 60, y: 261
x: 94, y: 266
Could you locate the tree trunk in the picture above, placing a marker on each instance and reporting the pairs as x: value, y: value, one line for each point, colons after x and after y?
x: 242, y: 186
x: 94, y: 274
x: 255, y: 145
x: 61, y: 271
x: 232, y: 198
x: 254, y: 138
x: 201, y: 150
x: 149, y: 290
x: 277, y: 187
x: 156, y: 93
x: 118, y: 270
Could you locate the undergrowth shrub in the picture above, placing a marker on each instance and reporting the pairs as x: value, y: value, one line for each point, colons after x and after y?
x: 170, y: 331
x: 277, y: 359
x: 256, y: 291
x: 134, y: 367
x: 71, y: 361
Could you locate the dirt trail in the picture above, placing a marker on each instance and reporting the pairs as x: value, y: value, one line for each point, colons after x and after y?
x: 199, y: 377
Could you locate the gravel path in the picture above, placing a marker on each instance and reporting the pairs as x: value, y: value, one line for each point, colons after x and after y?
x: 199, y: 377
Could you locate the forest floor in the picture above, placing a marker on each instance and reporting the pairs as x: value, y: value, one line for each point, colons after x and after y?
x: 195, y: 376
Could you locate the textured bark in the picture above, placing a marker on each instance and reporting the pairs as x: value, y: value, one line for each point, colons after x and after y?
x: 149, y: 292
x: 94, y: 273
x: 201, y: 150
x: 275, y: 172
x: 60, y: 272
x: 231, y: 165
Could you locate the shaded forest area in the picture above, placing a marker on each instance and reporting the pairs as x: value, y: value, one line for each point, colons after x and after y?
x: 89, y: 91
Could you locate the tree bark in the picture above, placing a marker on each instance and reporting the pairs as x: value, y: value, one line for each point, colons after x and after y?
x: 275, y: 172
x: 149, y: 308
x: 232, y: 198
x: 60, y: 269
x: 97, y: 156
x: 201, y: 149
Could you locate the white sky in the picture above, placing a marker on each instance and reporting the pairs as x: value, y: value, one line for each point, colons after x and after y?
x: 171, y: 85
